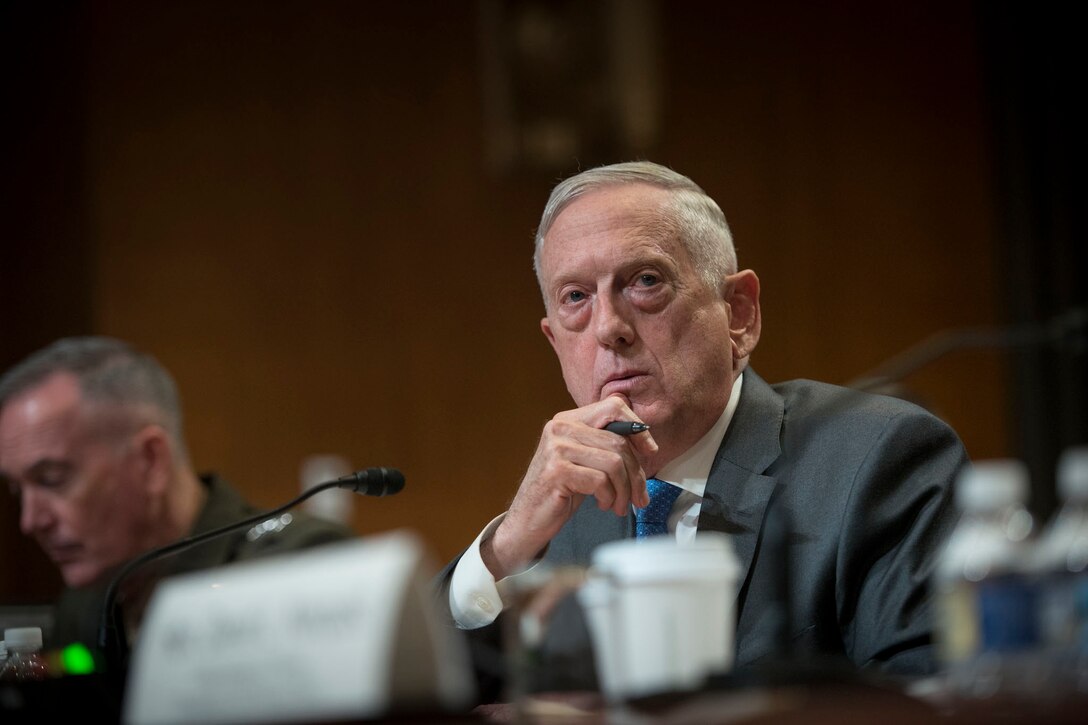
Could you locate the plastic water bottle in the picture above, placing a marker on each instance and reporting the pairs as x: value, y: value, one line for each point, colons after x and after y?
x: 25, y: 661
x: 1062, y: 560
x: 986, y: 627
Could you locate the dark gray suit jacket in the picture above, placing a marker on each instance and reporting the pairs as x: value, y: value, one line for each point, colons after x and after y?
x: 867, y: 483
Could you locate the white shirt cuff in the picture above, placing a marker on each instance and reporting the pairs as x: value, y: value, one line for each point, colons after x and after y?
x: 474, y: 597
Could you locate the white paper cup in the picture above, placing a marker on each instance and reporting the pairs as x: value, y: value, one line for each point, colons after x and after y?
x: 597, y: 599
x: 662, y: 614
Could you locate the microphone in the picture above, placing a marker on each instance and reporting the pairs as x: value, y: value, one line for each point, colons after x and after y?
x: 371, y: 482
x: 111, y: 632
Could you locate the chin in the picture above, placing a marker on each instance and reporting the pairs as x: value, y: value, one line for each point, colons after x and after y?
x: 80, y: 576
x: 650, y: 411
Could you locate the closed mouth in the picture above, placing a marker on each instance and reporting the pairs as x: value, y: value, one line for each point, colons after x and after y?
x: 64, y: 553
x: 621, y: 382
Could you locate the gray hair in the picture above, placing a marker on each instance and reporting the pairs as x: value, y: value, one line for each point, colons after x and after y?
x: 108, y: 371
x: 690, y: 214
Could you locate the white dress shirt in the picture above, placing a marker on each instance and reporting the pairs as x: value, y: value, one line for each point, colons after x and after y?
x: 475, y: 596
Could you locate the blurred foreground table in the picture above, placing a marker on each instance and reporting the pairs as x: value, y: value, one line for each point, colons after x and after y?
x: 805, y: 704
x: 840, y: 704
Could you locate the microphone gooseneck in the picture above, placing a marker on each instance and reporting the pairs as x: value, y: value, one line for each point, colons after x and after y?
x: 111, y: 632
x: 1067, y: 330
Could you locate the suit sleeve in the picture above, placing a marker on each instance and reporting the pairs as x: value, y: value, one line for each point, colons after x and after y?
x: 899, y: 513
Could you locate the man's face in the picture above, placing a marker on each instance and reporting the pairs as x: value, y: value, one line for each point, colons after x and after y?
x: 629, y: 314
x: 79, y: 497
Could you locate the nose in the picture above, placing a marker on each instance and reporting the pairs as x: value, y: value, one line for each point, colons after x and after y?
x: 611, y: 321
x: 35, y: 514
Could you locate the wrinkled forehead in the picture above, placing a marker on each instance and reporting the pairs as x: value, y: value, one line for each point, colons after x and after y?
x: 631, y: 213
x: 51, y: 421
x: 41, y: 422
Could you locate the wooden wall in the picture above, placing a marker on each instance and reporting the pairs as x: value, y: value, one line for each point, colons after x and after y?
x: 289, y: 204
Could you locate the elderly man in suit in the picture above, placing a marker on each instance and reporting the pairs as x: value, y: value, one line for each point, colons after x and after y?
x: 652, y: 321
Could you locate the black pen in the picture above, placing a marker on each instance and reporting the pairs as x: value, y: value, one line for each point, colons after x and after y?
x: 626, y: 427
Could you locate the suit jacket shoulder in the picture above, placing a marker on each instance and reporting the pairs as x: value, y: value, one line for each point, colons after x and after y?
x: 866, y: 482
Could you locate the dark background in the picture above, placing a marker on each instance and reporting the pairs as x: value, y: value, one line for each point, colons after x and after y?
x: 319, y: 215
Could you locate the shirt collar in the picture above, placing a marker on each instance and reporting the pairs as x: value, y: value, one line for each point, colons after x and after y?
x: 690, y: 469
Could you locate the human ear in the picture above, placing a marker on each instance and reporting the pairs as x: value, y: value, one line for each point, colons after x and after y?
x: 742, y: 296
x: 153, y: 458
x: 546, y: 328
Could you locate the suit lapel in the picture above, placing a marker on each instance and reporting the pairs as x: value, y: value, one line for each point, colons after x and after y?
x: 737, y: 490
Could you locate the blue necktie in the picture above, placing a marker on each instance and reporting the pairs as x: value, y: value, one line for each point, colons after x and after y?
x: 653, y: 520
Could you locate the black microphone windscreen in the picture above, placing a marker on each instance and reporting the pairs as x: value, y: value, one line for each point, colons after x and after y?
x: 374, y: 481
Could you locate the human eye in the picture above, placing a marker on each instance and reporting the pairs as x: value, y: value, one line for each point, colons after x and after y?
x: 647, y: 279
x: 573, y: 306
x: 649, y: 288
x: 51, y: 475
x: 572, y: 296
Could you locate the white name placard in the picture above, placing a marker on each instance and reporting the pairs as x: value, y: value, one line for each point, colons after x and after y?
x: 348, y: 630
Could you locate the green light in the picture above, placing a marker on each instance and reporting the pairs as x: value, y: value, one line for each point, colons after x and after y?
x: 77, y: 660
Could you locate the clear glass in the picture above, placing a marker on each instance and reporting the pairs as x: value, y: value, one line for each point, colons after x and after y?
x: 543, y: 678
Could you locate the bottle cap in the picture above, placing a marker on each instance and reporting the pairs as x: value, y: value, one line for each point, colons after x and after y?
x: 23, y: 639
x: 991, y: 485
x: 1073, y: 474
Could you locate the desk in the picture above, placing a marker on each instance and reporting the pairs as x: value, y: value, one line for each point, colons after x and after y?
x: 85, y: 698
x: 788, y: 705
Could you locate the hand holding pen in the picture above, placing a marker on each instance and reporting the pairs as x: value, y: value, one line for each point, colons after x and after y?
x: 626, y: 427
x: 578, y: 455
